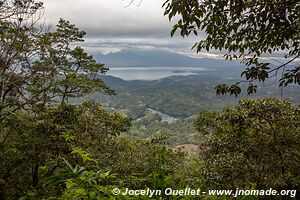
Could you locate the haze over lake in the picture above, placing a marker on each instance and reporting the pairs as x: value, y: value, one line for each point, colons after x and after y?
x: 153, y: 73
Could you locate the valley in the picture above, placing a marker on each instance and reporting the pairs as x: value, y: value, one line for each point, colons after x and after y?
x: 169, y: 105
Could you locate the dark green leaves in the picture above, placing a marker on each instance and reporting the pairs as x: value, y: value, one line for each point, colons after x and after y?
x: 234, y: 89
x: 259, y: 73
x: 77, y: 71
x: 247, y: 28
x: 251, y: 143
x: 291, y: 76
x: 222, y: 89
x: 251, y: 89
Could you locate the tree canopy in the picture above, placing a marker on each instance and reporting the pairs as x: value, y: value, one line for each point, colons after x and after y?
x: 255, y: 143
x: 41, y: 67
x: 40, y: 70
x: 246, y: 30
x: 19, y: 9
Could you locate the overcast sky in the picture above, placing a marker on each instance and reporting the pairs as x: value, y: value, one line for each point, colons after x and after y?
x: 112, y: 25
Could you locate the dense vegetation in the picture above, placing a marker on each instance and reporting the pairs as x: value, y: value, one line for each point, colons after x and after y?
x: 179, y: 96
x: 52, y: 149
x: 256, y: 143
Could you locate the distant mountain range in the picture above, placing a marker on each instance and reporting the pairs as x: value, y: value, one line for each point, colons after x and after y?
x: 154, y: 58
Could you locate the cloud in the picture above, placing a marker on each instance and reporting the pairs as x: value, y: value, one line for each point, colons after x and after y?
x: 111, y: 26
x: 110, y: 17
x: 106, y: 45
x: 103, y: 49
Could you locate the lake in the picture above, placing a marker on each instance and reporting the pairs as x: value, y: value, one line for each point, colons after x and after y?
x: 153, y: 73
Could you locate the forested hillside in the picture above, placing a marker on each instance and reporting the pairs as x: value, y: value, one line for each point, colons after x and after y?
x: 69, y: 131
x: 181, y: 96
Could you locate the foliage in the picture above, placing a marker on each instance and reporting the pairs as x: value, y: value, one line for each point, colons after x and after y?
x: 37, y: 144
x: 19, y: 10
x: 81, y: 183
x: 180, y: 131
x: 77, y: 71
x: 41, y: 68
x: 246, y: 30
x: 254, y: 143
x: 159, y: 164
x: 40, y: 71
x: 52, y: 149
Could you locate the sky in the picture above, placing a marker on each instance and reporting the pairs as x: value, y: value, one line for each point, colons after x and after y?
x: 113, y: 25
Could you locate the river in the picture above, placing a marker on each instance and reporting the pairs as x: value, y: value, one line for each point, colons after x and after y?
x: 164, y: 117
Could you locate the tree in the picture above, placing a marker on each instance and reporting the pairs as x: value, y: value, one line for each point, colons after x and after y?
x: 39, y: 67
x: 39, y: 141
x: 16, y: 48
x: 254, y: 144
x: 246, y: 30
x: 18, y: 9
x: 66, y: 72
x: 39, y: 72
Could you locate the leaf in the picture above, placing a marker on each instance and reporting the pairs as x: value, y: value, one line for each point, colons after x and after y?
x: 174, y: 30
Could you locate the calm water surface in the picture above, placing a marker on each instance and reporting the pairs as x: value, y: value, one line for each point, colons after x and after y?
x: 153, y: 73
x: 164, y: 117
